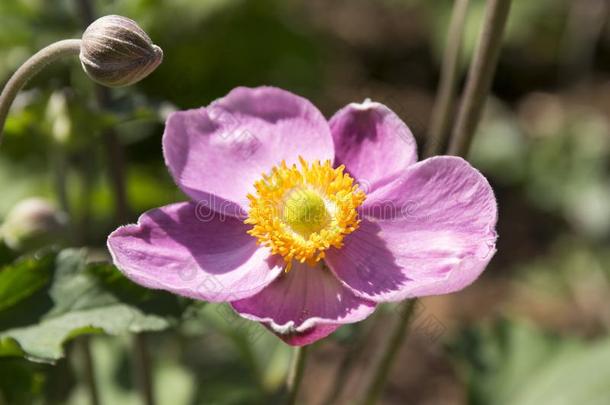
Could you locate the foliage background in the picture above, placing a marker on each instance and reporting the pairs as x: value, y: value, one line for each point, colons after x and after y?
x: 535, y: 327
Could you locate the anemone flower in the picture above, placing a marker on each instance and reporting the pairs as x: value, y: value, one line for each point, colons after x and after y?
x: 305, y: 224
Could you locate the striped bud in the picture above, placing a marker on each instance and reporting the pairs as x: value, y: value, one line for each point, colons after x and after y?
x: 116, y: 52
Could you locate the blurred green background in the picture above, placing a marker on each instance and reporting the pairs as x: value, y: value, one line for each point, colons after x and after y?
x: 534, y: 329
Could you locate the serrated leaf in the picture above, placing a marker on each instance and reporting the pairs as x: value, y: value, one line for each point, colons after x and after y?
x: 79, y: 299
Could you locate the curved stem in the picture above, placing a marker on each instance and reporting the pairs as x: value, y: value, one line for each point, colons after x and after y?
x: 450, y: 72
x: 295, y: 375
x: 480, y: 75
x: 30, y: 68
x: 24, y: 73
x: 373, y: 390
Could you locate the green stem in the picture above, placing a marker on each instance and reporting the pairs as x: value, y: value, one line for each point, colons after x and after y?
x: 89, y: 370
x: 17, y: 81
x: 143, y: 369
x: 60, y: 165
x: 375, y: 387
x: 115, y: 156
x: 295, y: 375
x: 351, y: 357
x: 480, y: 76
x: 450, y: 72
x: 87, y: 178
x: 30, y: 68
x: 114, y: 150
x: 116, y: 164
x: 84, y: 342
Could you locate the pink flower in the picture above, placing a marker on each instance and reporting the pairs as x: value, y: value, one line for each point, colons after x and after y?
x: 305, y: 224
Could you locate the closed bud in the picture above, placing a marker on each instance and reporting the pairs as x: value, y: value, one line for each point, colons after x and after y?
x: 33, y: 223
x: 116, y: 52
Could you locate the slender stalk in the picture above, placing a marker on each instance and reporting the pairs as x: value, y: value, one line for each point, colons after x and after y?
x: 89, y: 370
x: 83, y: 342
x: 60, y: 165
x: 450, y: 69
x: 116, y: 166
x: 115, y: 156
x: 114, y: 150
x: 87, y: 168
x: 351, y: 357
x: 17, y: 81
x: 341, y: 376
x: 480, y: 76
x: 143, y: 369
x: 295, y: 375
x: 382, y: 369
x: 30, y: 68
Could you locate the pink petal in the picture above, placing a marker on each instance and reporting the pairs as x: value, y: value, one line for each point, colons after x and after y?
x: 372, y: 142
x: 304, y: 305
x: 215, y: 154
x: 309, y: 336
x: 431, y: 231
x: 193, y: 251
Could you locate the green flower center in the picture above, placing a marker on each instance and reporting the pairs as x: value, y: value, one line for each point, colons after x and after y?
x: 305, y: 212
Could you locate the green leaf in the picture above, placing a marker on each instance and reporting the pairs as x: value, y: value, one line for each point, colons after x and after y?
x: 514, y: 364
x: 21, y: 279
x: 81, y: 298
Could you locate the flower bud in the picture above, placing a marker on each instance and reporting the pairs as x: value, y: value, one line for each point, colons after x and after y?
x: 33, y: 223
x: 116, y: 52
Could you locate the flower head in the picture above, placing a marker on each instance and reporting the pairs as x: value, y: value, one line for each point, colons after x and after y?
x: 305, y: 224
x: 300, y: 213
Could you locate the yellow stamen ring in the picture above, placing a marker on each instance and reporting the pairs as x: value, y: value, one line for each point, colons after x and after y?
x: 299, y: 213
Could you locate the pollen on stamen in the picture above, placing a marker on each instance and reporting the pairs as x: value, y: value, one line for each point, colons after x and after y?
x: 300, y: 212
